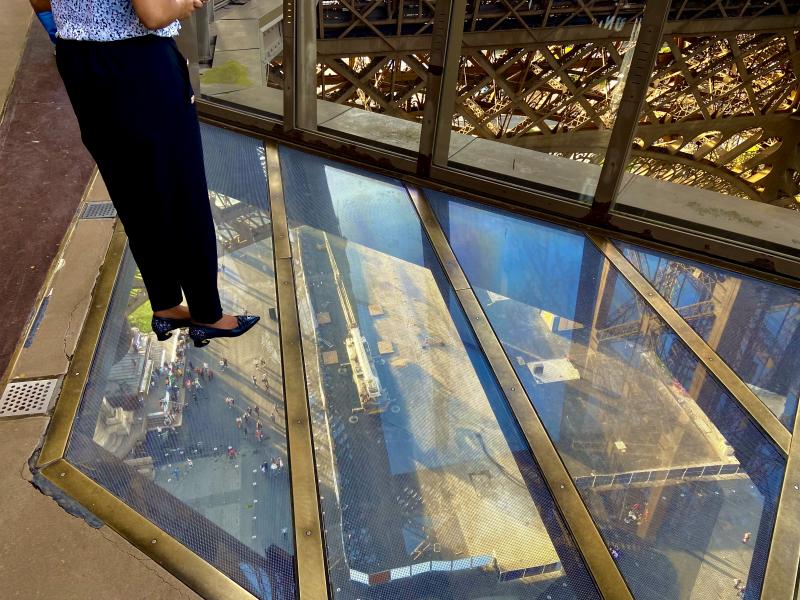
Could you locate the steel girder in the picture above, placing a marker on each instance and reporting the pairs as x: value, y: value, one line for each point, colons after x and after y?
x: 718, y: 113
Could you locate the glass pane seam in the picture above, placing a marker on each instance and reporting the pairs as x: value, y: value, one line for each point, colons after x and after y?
x: 751, y: 404
x: 567, y: 498
x: 735, y: 313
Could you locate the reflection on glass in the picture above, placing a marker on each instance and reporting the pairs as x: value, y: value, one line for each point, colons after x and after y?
x: 188, y: 437
x: 551, y: 105
x: 753, y: 325
x: 428, y: 489
x: 681, y: 484
x: 240, y: 47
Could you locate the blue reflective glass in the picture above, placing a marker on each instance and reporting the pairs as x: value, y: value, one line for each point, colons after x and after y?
x: 185, y: 436
x: 680, y: 482
x: 753, y: 325
x: 428, y: 488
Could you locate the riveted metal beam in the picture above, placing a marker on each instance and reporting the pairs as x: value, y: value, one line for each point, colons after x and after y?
x: 783, y: 563
x: 311, y: 571
x: 521, y: 38
x: 448, y: 29
x: 300, y: 64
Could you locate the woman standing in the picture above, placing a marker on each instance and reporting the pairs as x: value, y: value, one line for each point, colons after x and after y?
x: 130, y: 89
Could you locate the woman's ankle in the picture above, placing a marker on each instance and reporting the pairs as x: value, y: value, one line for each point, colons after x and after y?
x: 176, y: 312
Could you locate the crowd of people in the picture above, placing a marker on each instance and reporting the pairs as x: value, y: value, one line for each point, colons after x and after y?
x: 246, y: 416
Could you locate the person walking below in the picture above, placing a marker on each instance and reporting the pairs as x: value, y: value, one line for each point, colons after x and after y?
x: 129, y: 87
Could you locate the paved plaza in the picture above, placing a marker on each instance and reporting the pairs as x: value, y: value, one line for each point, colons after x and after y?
x: 234, y: 492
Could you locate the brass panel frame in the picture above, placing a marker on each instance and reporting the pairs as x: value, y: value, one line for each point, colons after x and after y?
x: 168, y: 552
x: 783, y: 563
x: 310, y: 550
x: 164, y: 549
x: 752, y: 405
x: 66, y: 408
x: 590, y: 543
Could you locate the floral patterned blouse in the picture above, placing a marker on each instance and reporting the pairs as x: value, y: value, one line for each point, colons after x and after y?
x: 102, y: 20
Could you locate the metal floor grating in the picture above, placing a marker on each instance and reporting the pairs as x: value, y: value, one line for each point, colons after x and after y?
x: 22, y: 398
x: 99, y: 210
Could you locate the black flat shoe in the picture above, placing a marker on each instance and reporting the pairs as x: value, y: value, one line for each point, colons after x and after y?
x: 202, y: 334
x: 163, y: 325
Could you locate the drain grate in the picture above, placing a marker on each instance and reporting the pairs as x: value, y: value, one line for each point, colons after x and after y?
x: 99, y: 210
x: 27, y: 397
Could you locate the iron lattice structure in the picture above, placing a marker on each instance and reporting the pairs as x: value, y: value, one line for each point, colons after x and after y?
x: 548, y: 75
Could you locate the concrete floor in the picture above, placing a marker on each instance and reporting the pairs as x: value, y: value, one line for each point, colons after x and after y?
x: 47, y: 553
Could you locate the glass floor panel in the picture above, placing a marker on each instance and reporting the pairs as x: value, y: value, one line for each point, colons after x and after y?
x: 188, y: 437
x: 753, y: 325
x: 680, y: 482
x: 428, y: 488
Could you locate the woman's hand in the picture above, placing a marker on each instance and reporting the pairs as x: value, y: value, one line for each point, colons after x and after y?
x: 155, y: 14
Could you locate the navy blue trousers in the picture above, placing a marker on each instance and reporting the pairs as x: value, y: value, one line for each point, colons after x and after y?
x: 135, y: 109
